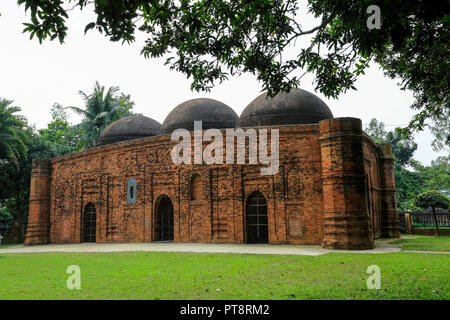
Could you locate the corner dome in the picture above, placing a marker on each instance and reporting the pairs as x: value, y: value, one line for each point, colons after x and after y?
x: 297, y: 106
x: 127, y: 128
x: 214, y: 115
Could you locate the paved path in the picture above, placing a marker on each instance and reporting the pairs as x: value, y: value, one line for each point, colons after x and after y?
x: 381, y: 247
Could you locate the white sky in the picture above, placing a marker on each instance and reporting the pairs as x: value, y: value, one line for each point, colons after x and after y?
x: 36, y: 76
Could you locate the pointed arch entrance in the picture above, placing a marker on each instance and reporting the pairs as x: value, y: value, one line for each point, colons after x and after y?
x: 89, y: 223
x: 256, y: 218
x: 163, y: 227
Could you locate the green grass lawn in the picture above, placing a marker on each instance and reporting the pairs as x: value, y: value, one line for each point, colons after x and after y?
x: 424, y: 243
x: 164, y: 275
x: 429, y: 227
x: 6, y: 245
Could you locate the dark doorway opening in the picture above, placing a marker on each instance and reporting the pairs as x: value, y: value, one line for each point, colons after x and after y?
x: 164, y: 220
x: 89, y: 223
x: 256, y: 219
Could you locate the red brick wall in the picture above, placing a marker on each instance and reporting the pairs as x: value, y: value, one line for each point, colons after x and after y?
x: 38, y: 219
x: 372, y: 183
x: 345, y: 212
x: 294, y: 196
x: 388, y: 202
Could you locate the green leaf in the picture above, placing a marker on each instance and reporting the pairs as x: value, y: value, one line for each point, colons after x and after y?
x: 89, y: 26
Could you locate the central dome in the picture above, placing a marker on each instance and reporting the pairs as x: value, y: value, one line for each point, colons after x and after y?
x: 127, y: 128
x: 297, y: 106
x: 213, y: 114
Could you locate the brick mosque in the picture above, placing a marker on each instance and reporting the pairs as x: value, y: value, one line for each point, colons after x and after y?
x: 335, y: 187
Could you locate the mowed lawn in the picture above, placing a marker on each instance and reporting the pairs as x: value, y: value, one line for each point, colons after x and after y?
x: 424, y: 243
x: 161, y: 275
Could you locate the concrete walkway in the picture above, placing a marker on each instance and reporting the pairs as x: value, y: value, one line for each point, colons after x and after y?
x: 381, y: 247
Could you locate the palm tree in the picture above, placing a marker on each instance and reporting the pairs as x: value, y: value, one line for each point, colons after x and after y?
x: 101, y: 109
x: 13, y: 137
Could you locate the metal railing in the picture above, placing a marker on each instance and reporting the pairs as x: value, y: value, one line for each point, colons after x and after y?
x: 425, y: 219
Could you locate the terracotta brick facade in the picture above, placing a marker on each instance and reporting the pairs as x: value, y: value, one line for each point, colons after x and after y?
x: 334, y: 188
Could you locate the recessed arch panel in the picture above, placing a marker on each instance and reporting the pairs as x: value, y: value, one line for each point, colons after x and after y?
x: 163, y: 223
x: 89, y: 223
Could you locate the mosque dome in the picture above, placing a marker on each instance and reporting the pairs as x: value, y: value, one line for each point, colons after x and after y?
x: 297, y: 106
x: 127, y: 128
x: 213, y: 114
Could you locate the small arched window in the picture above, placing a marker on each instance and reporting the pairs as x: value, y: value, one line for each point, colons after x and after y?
x: 131, y: 191
x: 196, y: 187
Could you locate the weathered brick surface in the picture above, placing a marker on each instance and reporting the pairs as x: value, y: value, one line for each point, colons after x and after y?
x: 38, y: 220
x: 372, y: 184
x: 389, y: 218
x: 345, y: 212
x: 319, y: 195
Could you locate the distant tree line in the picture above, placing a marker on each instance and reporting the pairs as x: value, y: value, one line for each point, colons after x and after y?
x: 411, y: 177
x: 20, y: 142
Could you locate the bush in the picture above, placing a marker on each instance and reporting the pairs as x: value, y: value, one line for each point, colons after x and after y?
x: 4, y: 214
x: 432, y: 198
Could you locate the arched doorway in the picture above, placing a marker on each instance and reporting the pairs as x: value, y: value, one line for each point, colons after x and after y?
x: 89, y: 223
x: 163, y: 230
x: 256, y: 218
